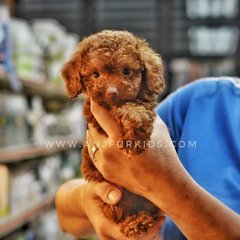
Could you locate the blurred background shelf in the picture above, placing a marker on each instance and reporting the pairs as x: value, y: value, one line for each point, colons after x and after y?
x: 11, y: 154
x: 41, y: 129
x: 12, y: 222
x: 31, y: 87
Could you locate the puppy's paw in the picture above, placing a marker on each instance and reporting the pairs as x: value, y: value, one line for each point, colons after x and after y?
x: 138, y: 118
x: 135, y: 140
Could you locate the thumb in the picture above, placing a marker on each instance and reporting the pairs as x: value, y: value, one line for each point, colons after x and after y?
x: 109, y: 193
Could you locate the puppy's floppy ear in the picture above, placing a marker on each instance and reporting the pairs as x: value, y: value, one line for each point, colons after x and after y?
x: 152, y: 68
x: 72, y: 76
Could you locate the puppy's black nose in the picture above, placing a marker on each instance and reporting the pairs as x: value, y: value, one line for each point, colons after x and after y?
x: 112, y: 92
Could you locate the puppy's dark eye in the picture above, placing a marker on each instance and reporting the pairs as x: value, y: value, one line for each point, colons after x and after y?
x: 96, y: 74
x: 126, y: 71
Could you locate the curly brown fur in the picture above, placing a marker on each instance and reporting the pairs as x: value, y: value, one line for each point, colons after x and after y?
x: 120, y: 72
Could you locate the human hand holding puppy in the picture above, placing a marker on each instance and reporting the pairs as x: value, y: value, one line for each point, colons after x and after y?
x: 80, y: 215
x: 153, y: 170
x: 158, y: 175
x: 161, y: 179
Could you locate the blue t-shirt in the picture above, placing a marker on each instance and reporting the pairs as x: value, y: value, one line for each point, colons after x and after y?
x: 204, y: 123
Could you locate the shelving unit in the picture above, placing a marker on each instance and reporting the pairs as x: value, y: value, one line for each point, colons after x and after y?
x: 13, y: 222
x: 46, y: 116
x: 49, y: 93
x: 13, y: 154
x: 44, y: 89
x: 8, y: 155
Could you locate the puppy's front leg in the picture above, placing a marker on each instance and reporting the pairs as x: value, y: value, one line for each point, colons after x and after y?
x: 137, y: 126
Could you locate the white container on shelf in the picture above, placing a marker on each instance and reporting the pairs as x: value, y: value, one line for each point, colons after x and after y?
x: 200, y: 9
x: 26, y: 53
x: 76, y: 121
x: 14, y: 111
x: 54, y: 39
x: 36, y: 119
x: 213, y: 41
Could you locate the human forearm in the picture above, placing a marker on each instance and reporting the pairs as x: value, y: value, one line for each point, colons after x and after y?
x: 195, y: 211
x: 158, y: 175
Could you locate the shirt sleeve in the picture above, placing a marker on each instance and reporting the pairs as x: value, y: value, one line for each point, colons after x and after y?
x: 174, y: 109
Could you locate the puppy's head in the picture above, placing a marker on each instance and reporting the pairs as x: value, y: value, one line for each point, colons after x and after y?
x: 113, y: 67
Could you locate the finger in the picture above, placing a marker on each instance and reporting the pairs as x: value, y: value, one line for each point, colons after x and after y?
x: 109, y: 125
x: 96, y: 135
x: 90, y: 143
x: 95, y: 154
x: 109, y: 193
x: 97, y: 138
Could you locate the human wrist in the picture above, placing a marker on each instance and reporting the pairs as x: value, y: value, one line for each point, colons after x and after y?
x: 176, y: 194
x: 190, y: 205
x: 170, y: 187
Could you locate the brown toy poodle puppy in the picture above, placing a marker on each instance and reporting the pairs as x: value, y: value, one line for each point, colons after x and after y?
x: 120, y: 72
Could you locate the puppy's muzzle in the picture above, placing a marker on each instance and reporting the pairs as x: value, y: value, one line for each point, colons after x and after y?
x: 112, y: 91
